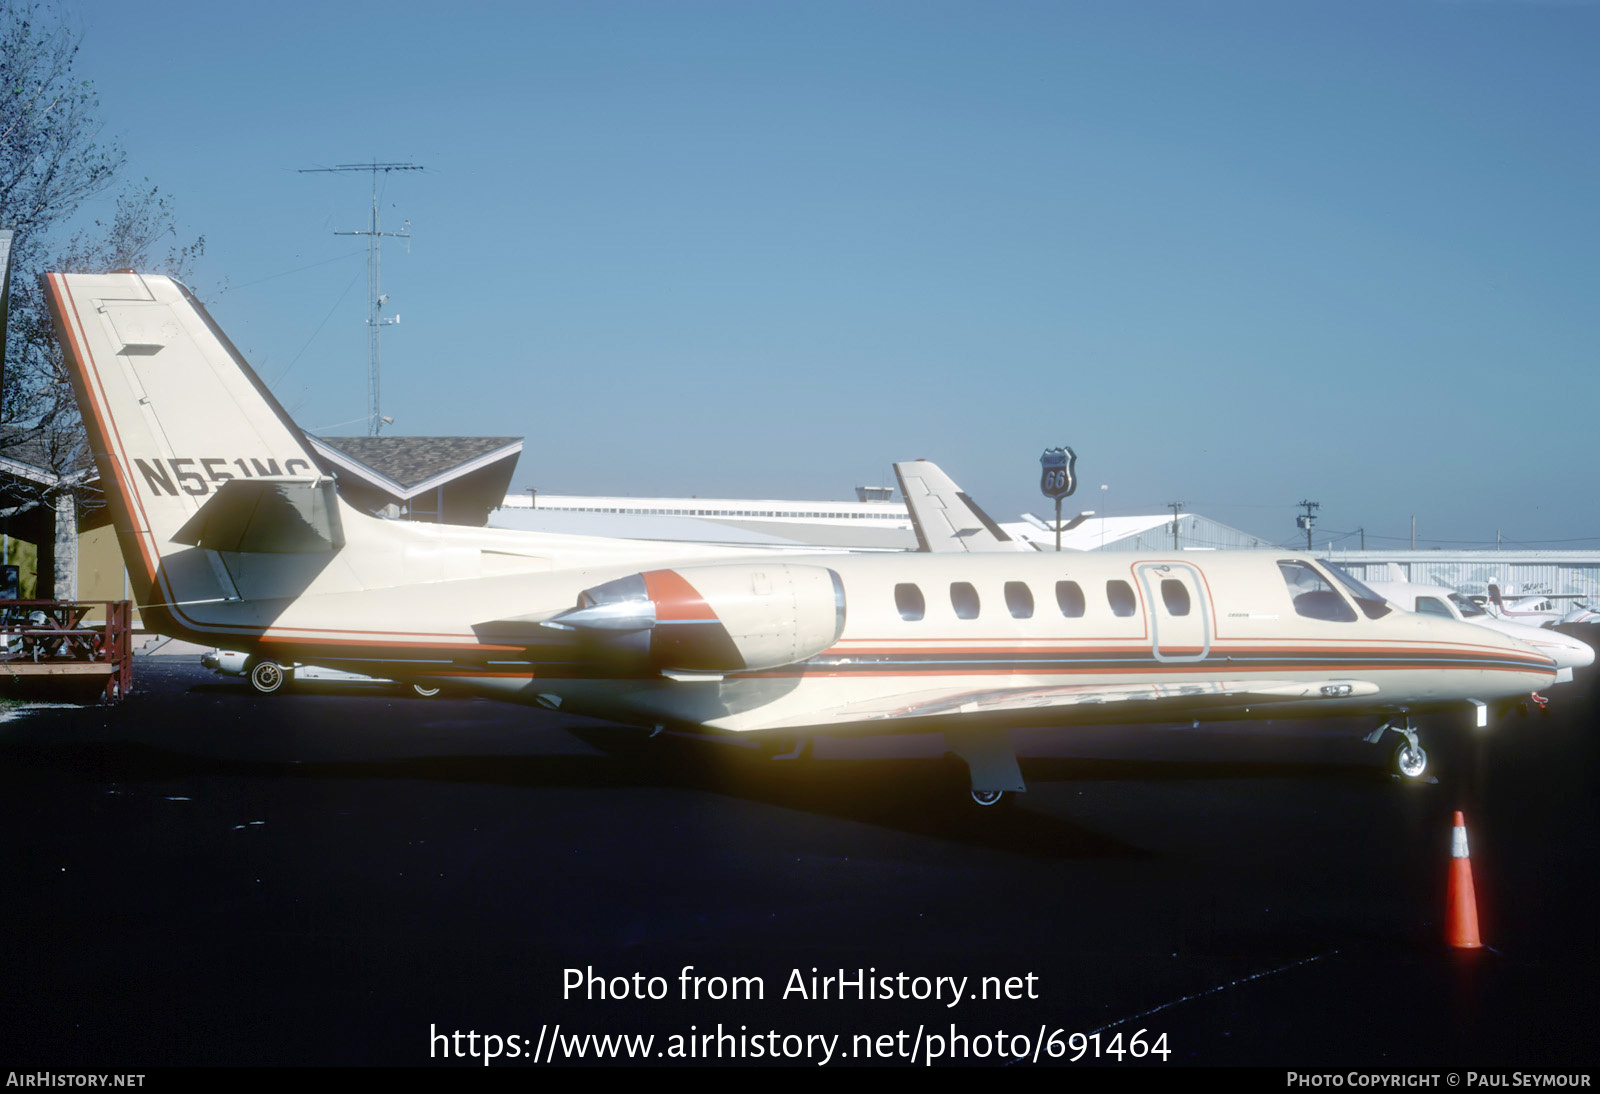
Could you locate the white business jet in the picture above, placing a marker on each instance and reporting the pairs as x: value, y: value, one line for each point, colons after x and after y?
x: 235, y: 537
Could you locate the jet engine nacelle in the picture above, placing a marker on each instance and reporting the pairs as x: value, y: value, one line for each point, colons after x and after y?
x: 715, y: 619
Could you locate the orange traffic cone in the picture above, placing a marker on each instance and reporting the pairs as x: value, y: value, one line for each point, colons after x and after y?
x: 1461, y: 903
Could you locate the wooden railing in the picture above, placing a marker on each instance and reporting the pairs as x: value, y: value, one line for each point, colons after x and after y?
x: 51, y: 638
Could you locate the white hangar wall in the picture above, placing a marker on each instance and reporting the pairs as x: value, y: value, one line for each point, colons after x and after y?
x: 1516, y: 572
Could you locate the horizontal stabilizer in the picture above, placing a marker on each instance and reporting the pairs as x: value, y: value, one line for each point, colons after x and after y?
x: 267, y: 516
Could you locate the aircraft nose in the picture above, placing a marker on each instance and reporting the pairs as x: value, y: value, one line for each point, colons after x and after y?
x: 1569, y: 652
x: 1566, y: 651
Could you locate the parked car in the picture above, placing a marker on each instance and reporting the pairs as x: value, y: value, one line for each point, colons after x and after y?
x: 268, y: 676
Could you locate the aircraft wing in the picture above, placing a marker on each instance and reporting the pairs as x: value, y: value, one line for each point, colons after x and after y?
x: 1156, y: 701
x: 945, y: 518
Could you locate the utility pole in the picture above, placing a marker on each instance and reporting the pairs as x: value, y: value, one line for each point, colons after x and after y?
x: 375, y: 298
x: 1307, y: 520
x: 1176, y: 507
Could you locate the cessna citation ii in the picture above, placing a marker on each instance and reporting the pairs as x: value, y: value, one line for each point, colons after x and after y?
x: 235, y: 537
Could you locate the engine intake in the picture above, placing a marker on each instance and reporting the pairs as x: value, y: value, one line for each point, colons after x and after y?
x: 719, y: 618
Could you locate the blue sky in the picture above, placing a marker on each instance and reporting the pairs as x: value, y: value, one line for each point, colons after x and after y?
x: 1235, y: 254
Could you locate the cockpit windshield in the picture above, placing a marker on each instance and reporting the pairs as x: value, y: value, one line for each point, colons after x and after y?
x: 1467, y: 606
x: 1369, y: 602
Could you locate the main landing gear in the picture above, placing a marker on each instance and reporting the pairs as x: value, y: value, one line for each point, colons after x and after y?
x: 1409, y: 759
x: 995, y: 778
x: 268, y: 677
x: 785, y: 748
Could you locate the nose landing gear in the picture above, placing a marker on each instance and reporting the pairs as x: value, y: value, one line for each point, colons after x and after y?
x: 1409, y: 759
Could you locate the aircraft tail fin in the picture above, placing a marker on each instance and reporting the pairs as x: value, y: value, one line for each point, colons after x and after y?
x: 178, y: 421
x: 945, y: 518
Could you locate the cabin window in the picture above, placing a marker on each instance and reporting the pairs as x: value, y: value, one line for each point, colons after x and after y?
x: 1432, y: 605
x: 964, y: 599
x: 1373, y: 605
x: 1313, y: 597
x: 908, y: 598
x: 1120, y: 594
x: 1175, y: 595
x: 1070, y: 597
x: 1019, y: 600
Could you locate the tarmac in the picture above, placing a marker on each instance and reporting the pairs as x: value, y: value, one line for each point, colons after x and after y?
x: 344, y: 875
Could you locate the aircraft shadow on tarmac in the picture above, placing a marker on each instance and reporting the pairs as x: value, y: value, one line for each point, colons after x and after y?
x: 922, y: 796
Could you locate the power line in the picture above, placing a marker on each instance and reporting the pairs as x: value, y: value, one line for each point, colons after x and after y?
x: 272, y: 277
x: 290, y: 366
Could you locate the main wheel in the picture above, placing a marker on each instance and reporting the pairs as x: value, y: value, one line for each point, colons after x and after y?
x: 785, y: 748
x: 1410, y: 761
x: 423, y: 691
x: 268, y: 677
x: 987, y: 798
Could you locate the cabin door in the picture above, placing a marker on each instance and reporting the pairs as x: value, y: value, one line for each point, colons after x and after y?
x: 1178, y: 609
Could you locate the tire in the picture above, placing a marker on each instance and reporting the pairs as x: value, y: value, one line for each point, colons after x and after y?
x: 1408, y: 762
x: 422, y: 691
x: 991, y: 799
x: 268, y: 677
x: 786, y: 749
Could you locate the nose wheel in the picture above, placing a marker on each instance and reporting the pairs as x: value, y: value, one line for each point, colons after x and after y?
x: 991, y: 798
x: 1409, y: 760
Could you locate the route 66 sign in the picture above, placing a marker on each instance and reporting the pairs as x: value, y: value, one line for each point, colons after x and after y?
x: 1057, y: 480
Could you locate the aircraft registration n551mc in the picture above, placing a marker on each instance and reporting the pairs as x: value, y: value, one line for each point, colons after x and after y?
x: 234, y: 537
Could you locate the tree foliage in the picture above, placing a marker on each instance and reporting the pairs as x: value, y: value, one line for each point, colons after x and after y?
x: 50, y: 155
x: 53, y: 159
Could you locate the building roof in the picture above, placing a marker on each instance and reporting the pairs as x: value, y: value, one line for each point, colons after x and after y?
x: 1134, y: 532
x: 44, y: 456
x: 407, y: 466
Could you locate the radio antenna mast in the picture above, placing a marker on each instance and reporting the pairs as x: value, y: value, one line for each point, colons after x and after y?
x: 375, y: 297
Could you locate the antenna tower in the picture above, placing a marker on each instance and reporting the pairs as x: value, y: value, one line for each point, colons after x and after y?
x: 375, y: 298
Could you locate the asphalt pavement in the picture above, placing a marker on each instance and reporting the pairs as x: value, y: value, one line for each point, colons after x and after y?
x: 348, y: 875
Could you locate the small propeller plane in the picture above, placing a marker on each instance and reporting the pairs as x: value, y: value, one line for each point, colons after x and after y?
x: 236, y: 537
x: 1540, y: 609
